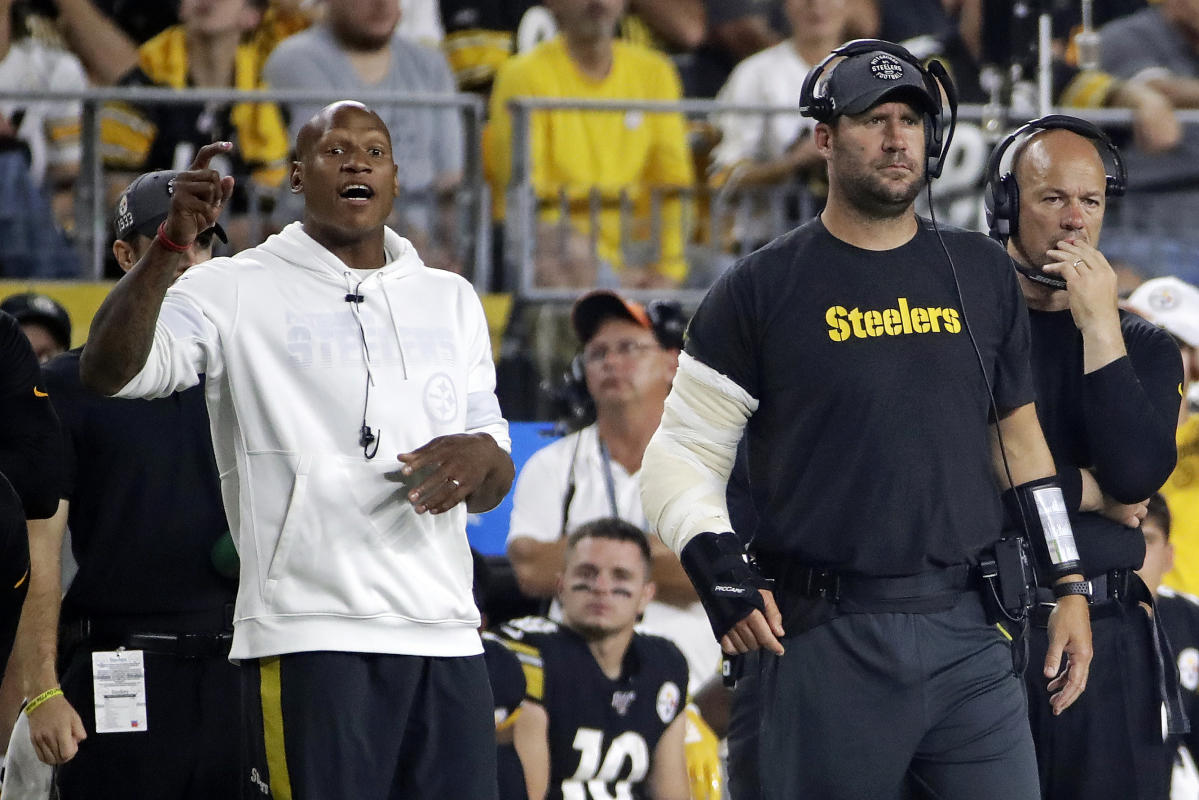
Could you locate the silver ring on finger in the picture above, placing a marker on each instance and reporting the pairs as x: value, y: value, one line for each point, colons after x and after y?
x: 1077, y: 261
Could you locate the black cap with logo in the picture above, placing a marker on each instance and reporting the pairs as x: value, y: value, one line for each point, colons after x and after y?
x: 145, y: 203
x: 864, y: 80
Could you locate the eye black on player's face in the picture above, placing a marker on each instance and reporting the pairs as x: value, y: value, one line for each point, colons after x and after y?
x: 604, y: 587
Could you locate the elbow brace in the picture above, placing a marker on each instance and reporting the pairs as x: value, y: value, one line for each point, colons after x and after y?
x: 1040, y: 509
x: 685, y: 469
x: 724, y: 578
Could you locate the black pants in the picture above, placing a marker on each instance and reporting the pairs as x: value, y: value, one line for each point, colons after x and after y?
x: 744, y: 717
x: 1109, y: 743
x: 190, y: 749
x: 336, y: 726
x: 866, y: 703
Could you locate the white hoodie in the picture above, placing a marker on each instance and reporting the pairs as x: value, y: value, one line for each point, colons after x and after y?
x: 333, y: 557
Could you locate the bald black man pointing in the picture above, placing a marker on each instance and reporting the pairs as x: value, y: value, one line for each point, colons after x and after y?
x: 351, y: 393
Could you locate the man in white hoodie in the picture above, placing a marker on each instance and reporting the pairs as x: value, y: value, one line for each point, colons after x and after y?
x: 326, y: 346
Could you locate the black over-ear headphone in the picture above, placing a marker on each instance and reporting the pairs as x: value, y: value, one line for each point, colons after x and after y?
x: 938, y: 131
x: 1002, y: 194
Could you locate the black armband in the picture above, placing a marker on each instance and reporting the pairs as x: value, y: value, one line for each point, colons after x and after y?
x: 1039, y: 508
x: 726, y: 582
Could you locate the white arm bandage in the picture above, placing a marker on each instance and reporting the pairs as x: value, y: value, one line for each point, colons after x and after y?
x: 686, y: 466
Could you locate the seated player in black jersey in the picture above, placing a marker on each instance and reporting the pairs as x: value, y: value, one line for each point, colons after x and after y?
x: 1179, y: 615
x: 603, y: 711
x: 1108, y: 388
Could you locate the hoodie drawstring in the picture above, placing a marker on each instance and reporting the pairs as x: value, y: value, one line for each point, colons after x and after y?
x: 395, y: 330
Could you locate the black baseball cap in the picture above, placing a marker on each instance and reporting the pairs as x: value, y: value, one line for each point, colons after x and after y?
x: 145, y: 203
x: 862, y: 81
x: 43, y: 310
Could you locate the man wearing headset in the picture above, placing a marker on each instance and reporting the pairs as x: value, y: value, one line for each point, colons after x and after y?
x: 1108, y: 387
x: 848, y: 351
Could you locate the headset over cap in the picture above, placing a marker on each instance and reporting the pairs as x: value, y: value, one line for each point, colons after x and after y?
x: 865, y: 72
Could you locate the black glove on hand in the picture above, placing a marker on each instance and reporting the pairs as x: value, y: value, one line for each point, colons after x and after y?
x: 724, y: 579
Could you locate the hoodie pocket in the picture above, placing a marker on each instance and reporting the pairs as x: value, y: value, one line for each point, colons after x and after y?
x: 292, y: 522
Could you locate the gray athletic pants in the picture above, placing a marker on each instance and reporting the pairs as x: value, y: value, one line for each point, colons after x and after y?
x: 866, y: 704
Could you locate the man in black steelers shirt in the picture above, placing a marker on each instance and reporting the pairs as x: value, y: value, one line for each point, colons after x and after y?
x: 1108, y: 387
x: 603, y: 715
x: 1179, y: 614
x: 851, y: 353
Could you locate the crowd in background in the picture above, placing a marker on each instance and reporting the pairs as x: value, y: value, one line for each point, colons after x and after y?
x: 639, y: 200
x: 632, y: 200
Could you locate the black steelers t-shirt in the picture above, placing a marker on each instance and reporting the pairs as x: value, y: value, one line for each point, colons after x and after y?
x: 602, y: 732
x: 869, y: 451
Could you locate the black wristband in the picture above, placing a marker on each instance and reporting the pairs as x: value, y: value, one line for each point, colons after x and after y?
x: 727, y: 584
x: 1083, y: 588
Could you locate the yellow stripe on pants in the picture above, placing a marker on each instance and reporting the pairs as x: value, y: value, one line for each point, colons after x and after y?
x: 270, y: 692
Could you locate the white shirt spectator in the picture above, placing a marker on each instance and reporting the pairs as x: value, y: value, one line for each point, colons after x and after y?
x: 50, y: 128
x: 770, y: 77
x: 543, y: 496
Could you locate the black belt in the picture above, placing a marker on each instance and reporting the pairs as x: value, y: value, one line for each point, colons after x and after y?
x: 925, y: 592
x: 181, y: 645
x: 205, y: 635
x: 837, y: 586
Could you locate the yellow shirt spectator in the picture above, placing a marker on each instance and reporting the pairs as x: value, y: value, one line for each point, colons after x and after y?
x: 574, y: 152
x: 1182, y: 496
x: 143, y: 137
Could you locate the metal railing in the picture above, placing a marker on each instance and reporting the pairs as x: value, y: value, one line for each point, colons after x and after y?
x: 957, y: 196
x: 717, y: 214
x: 472, y: 199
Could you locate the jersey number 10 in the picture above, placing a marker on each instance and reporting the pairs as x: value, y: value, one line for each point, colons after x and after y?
x: 592, y: 779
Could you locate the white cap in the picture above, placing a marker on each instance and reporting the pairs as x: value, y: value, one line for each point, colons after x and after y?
x: 1169, y: 303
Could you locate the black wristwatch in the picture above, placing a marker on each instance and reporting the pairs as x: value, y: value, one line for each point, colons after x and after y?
x: 1083, y: 588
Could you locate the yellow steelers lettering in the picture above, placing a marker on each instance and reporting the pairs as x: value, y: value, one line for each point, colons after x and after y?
x: 838, y: 328
x: 855, y: 319
x: 904, y: 315
x: 872, y: 321
x: 846, y: 323
x: 891, y: 322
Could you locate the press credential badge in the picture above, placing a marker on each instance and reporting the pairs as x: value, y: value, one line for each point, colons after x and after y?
x: 119, y: 679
